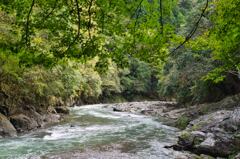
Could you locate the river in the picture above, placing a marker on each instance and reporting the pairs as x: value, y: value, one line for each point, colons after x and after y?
x: 95, y: 132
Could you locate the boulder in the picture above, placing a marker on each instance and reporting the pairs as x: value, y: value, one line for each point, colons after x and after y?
x: 213, y: 134
x: 51, y: 118
x: 6, y: 128
x: 116, y: 109
x: 23, y: 123
x: 62, y: 110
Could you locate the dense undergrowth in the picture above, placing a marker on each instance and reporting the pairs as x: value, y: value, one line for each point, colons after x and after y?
x: 70, y: 82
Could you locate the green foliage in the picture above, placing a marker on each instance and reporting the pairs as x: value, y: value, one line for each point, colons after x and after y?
x: 67, y: 82
x: 54, y: 52
x: 138, y: 79
x: 111, y: 81
x: 181, y: 77
x: 42, y: 87
x: 225, y: 39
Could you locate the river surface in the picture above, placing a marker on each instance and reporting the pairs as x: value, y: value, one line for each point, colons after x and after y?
x: 95, y: 132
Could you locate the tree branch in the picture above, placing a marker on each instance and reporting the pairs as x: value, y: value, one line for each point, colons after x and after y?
x: 194, y: 29
x: 27, y: 40
x: 89, y: 18
x: 103, y: 20
x: 135, y: 24
x: 79, y: 25
x: 51, y: 12
x: 161, y: 15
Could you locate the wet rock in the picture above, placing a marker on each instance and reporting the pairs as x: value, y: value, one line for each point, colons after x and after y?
x: 23, y: 123
x: 6, y: 128
x: 62, y: 110
x: 116, y: 110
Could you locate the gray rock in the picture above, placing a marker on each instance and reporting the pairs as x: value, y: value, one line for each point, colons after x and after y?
x: 235, y: 117
x: 51, y: 118
x: 6, y: 128
x: 209, y: 121
x: 32, y: 114
x: 210, y: 134
x: 152, y: 108
x: 23, y: 123
x: 209, y: 142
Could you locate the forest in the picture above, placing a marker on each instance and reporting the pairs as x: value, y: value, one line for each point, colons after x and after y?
x: 58, y: 51
x: 74, y: 52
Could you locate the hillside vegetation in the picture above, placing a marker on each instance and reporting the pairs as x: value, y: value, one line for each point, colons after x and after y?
x: 65, y: 52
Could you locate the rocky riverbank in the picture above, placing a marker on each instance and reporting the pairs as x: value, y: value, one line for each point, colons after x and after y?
x: 216, y: 134
x: 207, y: 129
x: 28, y: 119
x: 212, y: 129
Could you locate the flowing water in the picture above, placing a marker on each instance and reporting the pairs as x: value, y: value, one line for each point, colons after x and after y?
x: 95, y: 131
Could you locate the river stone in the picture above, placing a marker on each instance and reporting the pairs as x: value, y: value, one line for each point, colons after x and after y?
x: 23, y: 123
x: 6, y: 128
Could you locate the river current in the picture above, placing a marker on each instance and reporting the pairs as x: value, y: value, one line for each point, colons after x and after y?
x: 95, y: 132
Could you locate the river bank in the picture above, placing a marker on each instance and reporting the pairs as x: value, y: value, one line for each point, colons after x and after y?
x: 212, y: 129
x: 206, y: 130
x: 28, y: 119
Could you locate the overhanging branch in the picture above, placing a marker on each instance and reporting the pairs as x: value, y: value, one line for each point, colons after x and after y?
x: 194, y: 29
x: 27, y: 40
x: 78, y: 23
